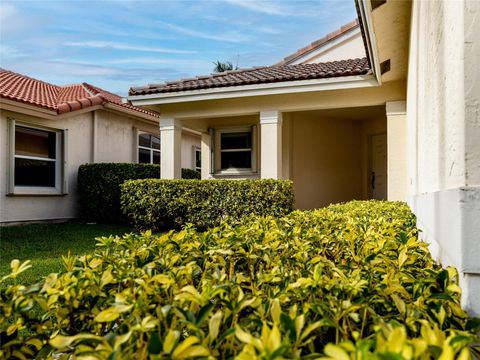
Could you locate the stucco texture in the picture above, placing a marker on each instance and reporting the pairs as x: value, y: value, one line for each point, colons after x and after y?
x: 443, y: 127
x: 101, y: 137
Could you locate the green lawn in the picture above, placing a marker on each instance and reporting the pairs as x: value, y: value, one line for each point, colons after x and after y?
x: 44, y: 245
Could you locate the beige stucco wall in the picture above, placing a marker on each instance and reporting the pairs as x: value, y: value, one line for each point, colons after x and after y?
x: 436, y: 97
x: 115, y: 141
x: 116, y: 136
x: 189, y: 141
x: 443, y: 127
x: 326, y: 161
x: 349, y: 47
x: 347, y: 98
x: 472, y: 92
x: 330, y: 158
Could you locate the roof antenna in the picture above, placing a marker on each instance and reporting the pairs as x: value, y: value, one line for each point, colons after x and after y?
x: 236, y: 65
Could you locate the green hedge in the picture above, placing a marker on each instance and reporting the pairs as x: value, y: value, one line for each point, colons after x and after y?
x: 190, y: 174
x: 350, y: 281
x: 158, y: 204
x: 99, y: 187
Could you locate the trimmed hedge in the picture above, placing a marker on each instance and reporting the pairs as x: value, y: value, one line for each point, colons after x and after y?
x: 350, y: 281
x: 156, y: 204
x: 99, y: 187
x: 190, y: 174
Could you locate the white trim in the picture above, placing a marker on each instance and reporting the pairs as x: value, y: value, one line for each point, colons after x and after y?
x: 365, y: 13
x: 65, y: 162
x: 169, y: 124
x: 60, y: 187
x: 196, y: 148
x: 270, y: 117
x: 217, y: 169
x: 35, y: 158
x: 336, y: 83
x: 396, y: 108
x: 150, y: 148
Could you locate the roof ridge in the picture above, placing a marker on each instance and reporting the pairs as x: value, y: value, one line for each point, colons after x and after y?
x: 86, y: 87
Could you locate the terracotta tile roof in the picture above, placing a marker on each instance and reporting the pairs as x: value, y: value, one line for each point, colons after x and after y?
x: 61, y: 99
x: 262, y: 75
x: 320, y: 42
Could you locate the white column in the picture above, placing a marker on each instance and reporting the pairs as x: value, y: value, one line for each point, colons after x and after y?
x: 397, y: 150
x: 207, y: 169
x: 271, y: 144
x: 171, y: 149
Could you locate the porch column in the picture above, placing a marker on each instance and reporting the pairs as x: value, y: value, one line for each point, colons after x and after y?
x: 170, y: 148
x: 397, y: 150
x: 271, y: 144
x: 206, y: 144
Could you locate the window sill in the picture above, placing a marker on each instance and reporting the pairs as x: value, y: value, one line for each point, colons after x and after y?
x: 236, y: 174
x: 32, y: 191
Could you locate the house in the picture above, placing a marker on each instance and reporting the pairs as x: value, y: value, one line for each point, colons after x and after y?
x: 401, y: 121
x: 48, y: 131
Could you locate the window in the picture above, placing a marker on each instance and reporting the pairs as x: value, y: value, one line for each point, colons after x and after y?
x: 197, y: 158
x: 235, y: 150
x: 37, y: 157
x: 148, y: 149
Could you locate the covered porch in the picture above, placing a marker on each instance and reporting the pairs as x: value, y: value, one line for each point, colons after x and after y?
x: 332, y: 154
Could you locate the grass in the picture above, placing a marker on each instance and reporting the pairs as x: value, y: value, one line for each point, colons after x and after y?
x: 44, y: 245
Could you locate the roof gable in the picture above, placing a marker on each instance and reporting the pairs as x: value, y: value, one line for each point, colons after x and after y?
x: 61, y: 99
x: 340, y: 35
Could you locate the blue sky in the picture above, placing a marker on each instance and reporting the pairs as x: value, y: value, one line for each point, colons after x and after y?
x: 117, y: 44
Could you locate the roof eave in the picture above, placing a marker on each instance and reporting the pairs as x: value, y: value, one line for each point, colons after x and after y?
x: 130, y: 112
x: 277, y: 88
x: 21, y: 106
x: 364, y: 11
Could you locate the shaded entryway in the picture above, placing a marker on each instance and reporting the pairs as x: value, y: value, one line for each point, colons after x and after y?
x: 337, y: 155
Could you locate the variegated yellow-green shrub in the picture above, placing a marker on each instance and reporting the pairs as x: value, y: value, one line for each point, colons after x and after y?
x: 350, y: 281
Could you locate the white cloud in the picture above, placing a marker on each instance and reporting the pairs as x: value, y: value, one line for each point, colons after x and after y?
x: 261, y: 7
x: 10, y: 52
x: 155, y: 60
x: 312, y: 8
x: 233, y: 37
x: 7, y: 11
x: 122, y: 46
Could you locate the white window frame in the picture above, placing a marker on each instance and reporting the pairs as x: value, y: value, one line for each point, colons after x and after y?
x: 150, y: 149
x: 195, y: 150
x: 218, y: 151
x: 60, y: 187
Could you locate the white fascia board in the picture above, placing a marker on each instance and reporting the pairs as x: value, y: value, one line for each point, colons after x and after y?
x: 287, y: 87
x: 329, y: 45
x: 365, y: 13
